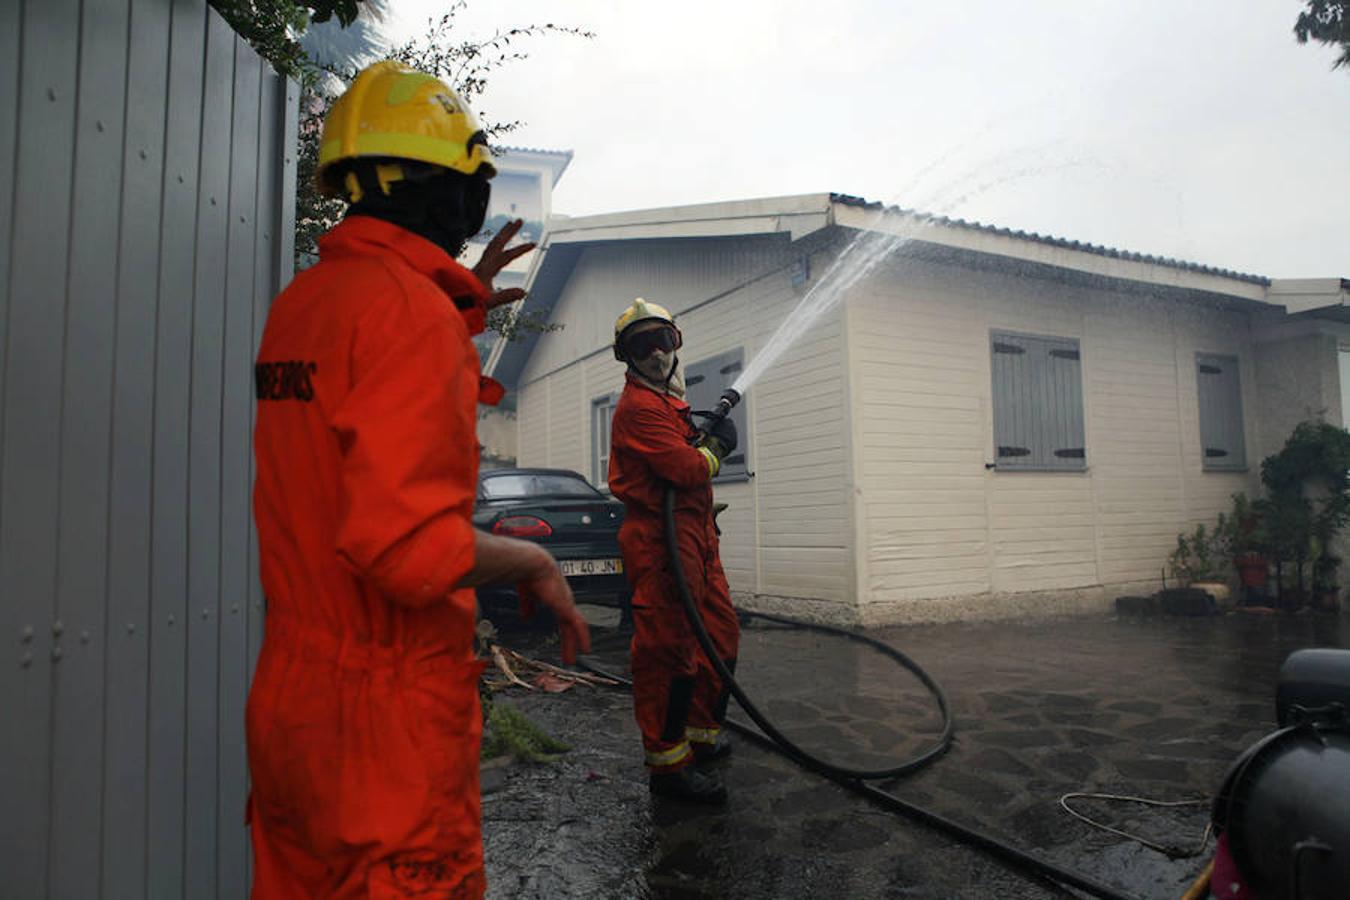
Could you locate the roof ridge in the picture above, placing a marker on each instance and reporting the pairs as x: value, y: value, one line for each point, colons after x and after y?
x: 507, y: 148
x: 1052, y: 240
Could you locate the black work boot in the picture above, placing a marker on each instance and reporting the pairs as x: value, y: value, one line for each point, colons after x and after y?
x: 689, y: 784
x: 704, y: 754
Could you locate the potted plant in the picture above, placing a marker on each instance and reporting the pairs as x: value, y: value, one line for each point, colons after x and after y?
x: 1197, y: 560
x: 1245, y: 542
x: 1307, y: 503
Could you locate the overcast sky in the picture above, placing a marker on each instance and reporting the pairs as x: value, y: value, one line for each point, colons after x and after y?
x: 1190, y: 128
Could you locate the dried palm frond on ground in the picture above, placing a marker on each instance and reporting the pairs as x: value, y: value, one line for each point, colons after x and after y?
x: 551, y: 674
x: 515, y: 668
x: 505, y: 728
x: 503, y: 665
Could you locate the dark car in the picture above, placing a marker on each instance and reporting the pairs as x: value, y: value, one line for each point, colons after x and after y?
x: 561, y: 511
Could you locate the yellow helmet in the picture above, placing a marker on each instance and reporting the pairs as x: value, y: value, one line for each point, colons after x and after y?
x: 639, y: 311
x: 391, y: 110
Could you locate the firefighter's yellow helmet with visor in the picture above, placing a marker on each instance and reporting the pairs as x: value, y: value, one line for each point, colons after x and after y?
x: 391, y: 111
x: 638, y: 312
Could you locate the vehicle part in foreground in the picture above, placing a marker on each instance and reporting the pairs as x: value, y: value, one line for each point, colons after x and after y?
x: 1284, y: 808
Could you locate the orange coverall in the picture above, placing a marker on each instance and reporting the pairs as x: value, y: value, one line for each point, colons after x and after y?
x: 363, y: 718
x: 677, y: 696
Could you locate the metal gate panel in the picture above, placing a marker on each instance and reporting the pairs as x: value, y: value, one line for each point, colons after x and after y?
x: 29, y: 476
x: 235, y: 521
x: 274, y: 265
x: 290, y: 139
x: 267, y: 272
x: 129, y: 624
x: 86, y: 419
x: 169, y: 532
x: 146, y: 178
x: 204, y: 465
x: 9, y: 138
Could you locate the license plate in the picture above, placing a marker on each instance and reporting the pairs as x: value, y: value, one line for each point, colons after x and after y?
x: 576, y: 567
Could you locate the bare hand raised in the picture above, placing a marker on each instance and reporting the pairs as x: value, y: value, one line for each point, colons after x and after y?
x: 496, y: 257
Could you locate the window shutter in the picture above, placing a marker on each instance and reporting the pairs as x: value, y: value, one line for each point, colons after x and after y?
x: 1038, y: 402
x: 602, y: 414
x: 699, y: 392
x: 1063, y: 370
x: 704, y: 383
x: 1012, y: 412
x: 1219, y: 386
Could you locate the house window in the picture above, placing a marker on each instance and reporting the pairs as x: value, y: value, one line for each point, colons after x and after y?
x: 1220, y: 390
x: 602, y: 413
x: 704, y: 383
x: 1038, y: 403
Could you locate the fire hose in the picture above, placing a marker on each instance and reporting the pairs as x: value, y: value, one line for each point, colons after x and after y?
x: 855, y: 780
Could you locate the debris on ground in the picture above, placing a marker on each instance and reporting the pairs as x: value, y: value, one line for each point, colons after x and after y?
x: 504, y: 666
x: 507, y: 730
x: 516, y: 667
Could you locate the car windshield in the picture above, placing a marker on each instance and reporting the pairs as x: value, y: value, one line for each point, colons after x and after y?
x: 536, y: 484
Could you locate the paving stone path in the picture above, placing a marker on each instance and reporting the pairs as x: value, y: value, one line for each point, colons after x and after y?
x: 1147, y: 707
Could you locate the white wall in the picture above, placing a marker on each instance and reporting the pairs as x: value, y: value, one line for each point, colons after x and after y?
x: 523, y: 188
x: 787, y: 532
x: 802, y: 460
x: 1303, y: 372
x: 1298, y: 377
x: 520, y: 194
x: 902, y: 477
x: 941, y: 536
x: 675, y: 274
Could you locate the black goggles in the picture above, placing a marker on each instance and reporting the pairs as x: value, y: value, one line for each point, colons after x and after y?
x: 645, y: 343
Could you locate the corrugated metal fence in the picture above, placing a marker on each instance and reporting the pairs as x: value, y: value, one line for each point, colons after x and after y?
x: 147, y: 185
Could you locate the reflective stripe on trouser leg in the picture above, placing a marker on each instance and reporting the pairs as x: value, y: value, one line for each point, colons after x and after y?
x: 702, y: 735
x: 674, y: 756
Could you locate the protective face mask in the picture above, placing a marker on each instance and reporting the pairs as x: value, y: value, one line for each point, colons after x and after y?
x: 657, y: 366
x: 662, y: 370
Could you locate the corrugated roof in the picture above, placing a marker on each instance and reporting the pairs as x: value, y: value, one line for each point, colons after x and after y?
x: 561, y: 158
x: 508, y: 148
x: 1065, y: 243
x: 555, y: 265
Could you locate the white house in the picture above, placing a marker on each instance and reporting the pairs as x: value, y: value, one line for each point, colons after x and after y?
x: 991, y: 423
x: 522, y: 189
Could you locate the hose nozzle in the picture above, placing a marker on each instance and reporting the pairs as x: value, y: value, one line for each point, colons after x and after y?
x: 730, y: 397
x: 721, y: 409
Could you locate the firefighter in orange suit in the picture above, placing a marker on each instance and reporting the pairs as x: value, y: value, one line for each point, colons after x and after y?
x: 363, y: 719
x: 678, y: 699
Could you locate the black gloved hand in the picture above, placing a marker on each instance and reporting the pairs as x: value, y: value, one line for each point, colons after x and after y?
x: 722, y: 439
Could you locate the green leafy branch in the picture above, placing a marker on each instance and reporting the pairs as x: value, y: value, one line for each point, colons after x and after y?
x: 1327, y: 22
x: 510, y: 731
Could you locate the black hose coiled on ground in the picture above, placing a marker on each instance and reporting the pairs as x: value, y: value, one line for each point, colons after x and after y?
x: 796, y: 753
x: 856, y: 779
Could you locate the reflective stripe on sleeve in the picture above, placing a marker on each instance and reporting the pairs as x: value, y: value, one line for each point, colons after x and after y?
x: 714, y: 464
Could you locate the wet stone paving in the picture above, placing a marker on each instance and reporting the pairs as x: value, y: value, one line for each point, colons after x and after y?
x: 1154, y: 707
